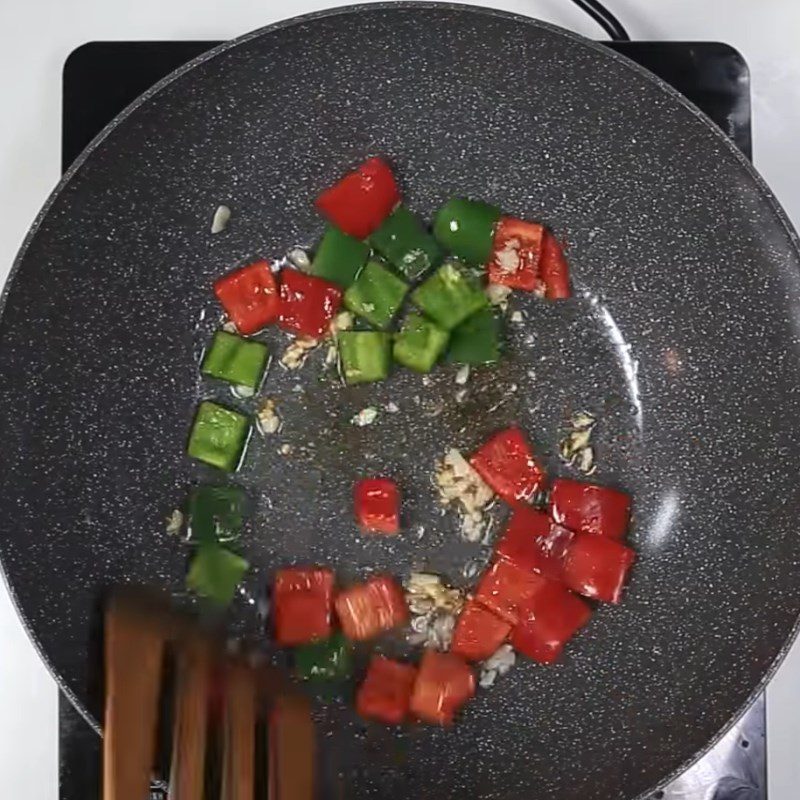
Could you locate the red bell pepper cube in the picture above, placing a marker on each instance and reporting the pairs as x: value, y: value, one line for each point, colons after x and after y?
x: 377, y: 502
x: 385, y: 693
x: 516, y: 252
x: 549, y: 622
x: 307, y: 303
x: 362, y: 200
x: 554, y: 269
x: 478, y: 632
x: 249, y: 296
x: 367, y: 609
x: 506, y: 590
x: 302, y: 600
x: 597, y: 567
x: 533, y: 542
x: 506, y: 463
x: 444, y: 683
x: 588, y: 508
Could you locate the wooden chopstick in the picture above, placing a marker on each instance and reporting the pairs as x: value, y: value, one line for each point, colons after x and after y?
x: 291, y: 752
x: 190, y: 725
x: 134, y: 651
x: 239, y: 734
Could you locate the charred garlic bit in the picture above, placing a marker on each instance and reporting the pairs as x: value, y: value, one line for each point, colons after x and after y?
x: 343, y: 321
x: 365, y: 417
x: 295, y: 355
x: 267, y: 419
x: 434, y: 608
x: 575, y: 448
x: 299, y: 259
x: 462, y: 376
x: 498, y: 295
x: 221, y: 219
x: 498, y: 664
x: 458, y: 484
x: 174, y: 523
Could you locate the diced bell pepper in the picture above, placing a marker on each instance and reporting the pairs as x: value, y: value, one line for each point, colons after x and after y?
x: 554, y: 269
x: 369, y: 608
x: 533, y: 542
x: 339, y: 257
x: 302, y: 601
x: 239, y: 361
x: 552, y: 618
x: 377, y: 505
x: 478, y: 632
x: 215, y: 572
x: 589, y: 508
x: 506, y: 463
x: 516, y: 253
x: 308, y: 303
x: 249, y: 296
x: 506, y: 590
x: 385, y: 694
x: 376, y: 295
x: 419, y: 343
x: 362, y: 200
x: 215, y: 513
x: 327, y: 660
x: 364, y: 356
x: 406, y: 244
x: 597, y: 567
x: 466, y: 229
x: 476, y: 340
x: 218, y: 436
x: 444, y: 683
x: 449, y: 296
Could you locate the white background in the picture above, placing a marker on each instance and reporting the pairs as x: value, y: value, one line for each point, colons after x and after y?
x: 37, y: 35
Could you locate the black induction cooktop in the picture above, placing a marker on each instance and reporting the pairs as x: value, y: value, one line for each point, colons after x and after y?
x: 101, y: 78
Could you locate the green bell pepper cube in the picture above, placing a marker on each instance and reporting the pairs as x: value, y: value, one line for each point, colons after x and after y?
x: 215, y: 513
x: 449, y: 296
x: 326, y: 660
x: 339, y: 257
x: 419, y: 343
x: 476, y: 340
x: 215, y: 572
x: 218, y: 436
x: 376, y: 295
x: 403, y: 241
x: 364, y: 356
x: 239, y: 361
x: 466, y: 229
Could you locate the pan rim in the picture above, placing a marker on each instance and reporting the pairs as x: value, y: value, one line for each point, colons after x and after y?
x: 410, y: 5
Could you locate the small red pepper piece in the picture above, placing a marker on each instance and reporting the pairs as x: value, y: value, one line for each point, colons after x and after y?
x: 377, y: 505
x: 554, y: 269
x: 369, y: 608
x: 444, y: 683
x: 516, y: 252
x: 506, y: 590
x: 506, y: 463
x: 362, y: 200
x: 549, y: 622
x: 302, y: 600
x: 249, y: 296
x: 597, y: 567
x: 533, y: 542
x: 307, y: 303
x: 588, y: 508
x: 385, y: 694
x: 478, y: 632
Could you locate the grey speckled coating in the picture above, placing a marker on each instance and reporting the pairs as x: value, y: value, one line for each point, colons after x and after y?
x: 684, y: 338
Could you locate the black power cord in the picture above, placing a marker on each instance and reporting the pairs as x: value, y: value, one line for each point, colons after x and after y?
x: 603, y: 17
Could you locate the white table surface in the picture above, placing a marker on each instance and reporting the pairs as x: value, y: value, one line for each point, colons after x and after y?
x: 37, y: 37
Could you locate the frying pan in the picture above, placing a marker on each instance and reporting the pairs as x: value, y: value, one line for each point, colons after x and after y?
x: 682, y: 337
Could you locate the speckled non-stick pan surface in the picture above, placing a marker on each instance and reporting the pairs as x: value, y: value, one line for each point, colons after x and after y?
x: 683, y: 338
